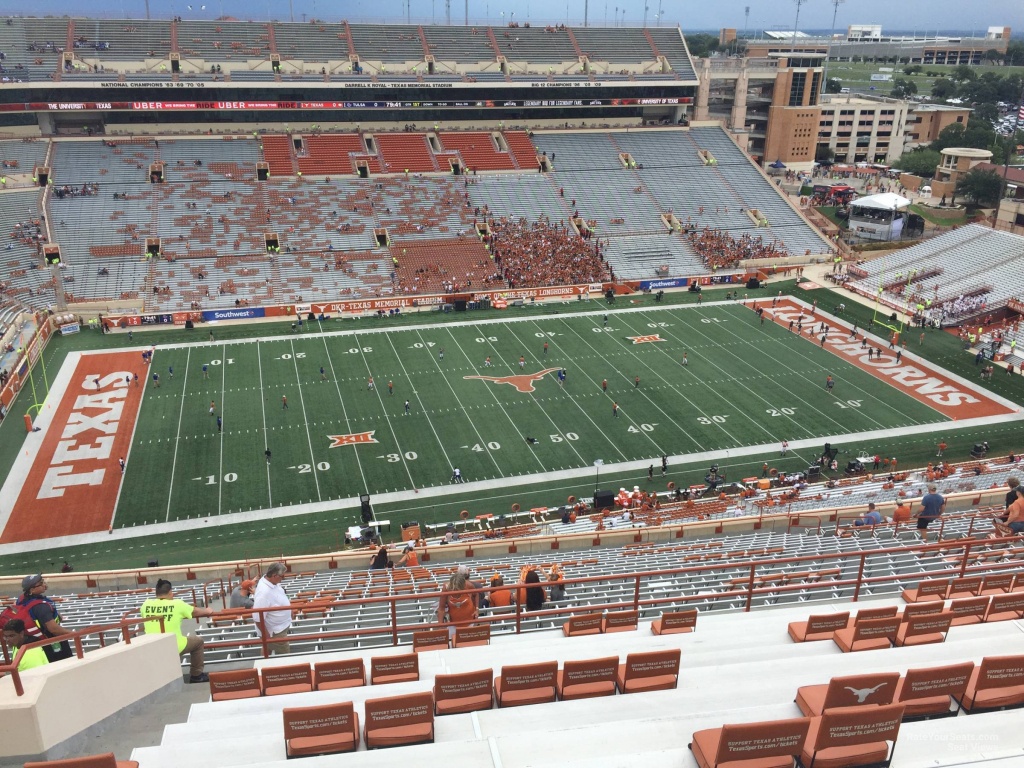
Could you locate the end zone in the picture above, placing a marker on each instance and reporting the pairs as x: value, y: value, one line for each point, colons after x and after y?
x: 69, y: 475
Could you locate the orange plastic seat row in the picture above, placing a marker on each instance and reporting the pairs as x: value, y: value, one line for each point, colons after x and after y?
x: 948, y: 589
x: 92, y: 761
x: 438, y: 639
x: 596, y: 623
x: 675, y: 622
x: 850, y: 736
x: 291, y: 678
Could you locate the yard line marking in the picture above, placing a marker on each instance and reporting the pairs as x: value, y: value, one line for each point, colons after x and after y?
x: 629, y: 418
x: 575, y: 402
x: 344, y: 410
x: 177, y: 433
x: 305, y: 419
x: 419, y: 400
x: 263, y: 407
x: 391, y: 427
x: 497, y: 401
x: 223, y: 391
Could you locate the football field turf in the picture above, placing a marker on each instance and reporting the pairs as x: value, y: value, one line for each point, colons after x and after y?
x: 744, y: 384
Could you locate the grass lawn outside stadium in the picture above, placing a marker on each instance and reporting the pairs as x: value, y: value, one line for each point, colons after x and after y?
x: 745, y: 388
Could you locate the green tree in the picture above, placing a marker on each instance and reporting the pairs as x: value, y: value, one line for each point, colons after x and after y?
x: 1014, y: 53
x: 921, y: 162
x: 980, y: 187
x: 963, y: 73
x: 985, y: 110
x: 913, y: 69
x: 903, y: 88
x: 832, y: 85
x: 943, y: 89
x: 992, y: 56
x: 701, y: 44
x: 824, y: 154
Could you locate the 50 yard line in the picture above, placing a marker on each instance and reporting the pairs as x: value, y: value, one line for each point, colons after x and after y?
x: 177, y: 434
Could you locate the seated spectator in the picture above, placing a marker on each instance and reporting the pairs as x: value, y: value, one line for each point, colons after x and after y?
x: 456, y: 607
x: 379, y: 561
x: 902, y: 513
x: 173, y: 611
x: 556, y: 590
x: 499, y: 598
x: 1016, y: 513
x: 242, y: 594
x: 871, y: 517
x: 534, y: 595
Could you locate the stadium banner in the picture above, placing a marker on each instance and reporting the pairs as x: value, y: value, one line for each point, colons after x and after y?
x: 242, y: 313
x: 69, y: 328
x: 549, y: 292
x: 655, y: 285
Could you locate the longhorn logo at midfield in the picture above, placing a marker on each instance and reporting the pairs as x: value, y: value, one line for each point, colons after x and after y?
x: 523, y: 382
x: 360, y: 437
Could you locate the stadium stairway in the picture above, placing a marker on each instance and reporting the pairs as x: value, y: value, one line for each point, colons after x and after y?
x: 719, y: 660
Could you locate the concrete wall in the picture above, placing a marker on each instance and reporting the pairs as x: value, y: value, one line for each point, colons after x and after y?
x: 68, y: 702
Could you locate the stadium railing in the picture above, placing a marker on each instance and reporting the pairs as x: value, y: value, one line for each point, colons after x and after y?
x: 960, y: 557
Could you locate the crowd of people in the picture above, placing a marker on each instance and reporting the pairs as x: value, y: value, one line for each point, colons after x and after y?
x: 86, y: 190
x: 528, y: 255
x: 720, y: 250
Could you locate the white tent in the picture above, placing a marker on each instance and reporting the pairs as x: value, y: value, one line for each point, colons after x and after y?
x: 887, y: 201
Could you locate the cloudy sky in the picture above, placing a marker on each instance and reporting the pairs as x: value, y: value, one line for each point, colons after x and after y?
x: 690, y: 14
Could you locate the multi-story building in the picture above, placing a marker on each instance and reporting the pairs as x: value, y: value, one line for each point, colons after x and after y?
x: 859, y: 130
x: 926, y: 121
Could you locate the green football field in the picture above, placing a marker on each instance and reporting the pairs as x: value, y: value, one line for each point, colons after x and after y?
x: 744, y: 384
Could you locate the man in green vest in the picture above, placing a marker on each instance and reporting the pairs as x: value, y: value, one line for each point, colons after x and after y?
x: 15, y: 637
x: 173, y: 612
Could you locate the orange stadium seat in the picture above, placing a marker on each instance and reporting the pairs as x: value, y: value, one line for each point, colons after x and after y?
x: 521, y: 684
x: 394, y: 669
x: 1006, y: 607
x: 588, y: 678
x: 649, y: 671
x: 848, y: 691
x: 852, y: 736
x: 998, y: 583
x: 620, y: 621
x: 933, y: 589
x: 997, y: 683
x: 820, y: 627
x: 921, y: 630
x: 968, y: 586
x: 463, y: 692
x: 778, y: 742
x: 921, y: 609
x: 583, y: 624
x: 868, y: 635
x: 235, y: 684
x: 293, y: 678
x: 430, y: 640
x: 341, y: 673
x: 399, y: 720
x: 933, y: 691
x: 92, y: 761
x: 326, y: 729
x: 970, y: 610
x: 466, y: 637
x: 676, y: 622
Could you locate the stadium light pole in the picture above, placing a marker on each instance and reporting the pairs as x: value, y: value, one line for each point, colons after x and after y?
x: 646, y: 9
x: 796, y: 21
x: 831, y: 34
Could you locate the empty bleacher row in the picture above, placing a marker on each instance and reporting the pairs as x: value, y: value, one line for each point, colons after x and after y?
x: 955, y: 259
x: 141, y: 49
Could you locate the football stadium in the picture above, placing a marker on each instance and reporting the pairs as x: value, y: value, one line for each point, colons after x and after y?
x: 469, y: 363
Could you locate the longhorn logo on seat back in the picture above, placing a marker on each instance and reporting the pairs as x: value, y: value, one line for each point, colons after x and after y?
x: 863, y: 693
x: 523, y: 382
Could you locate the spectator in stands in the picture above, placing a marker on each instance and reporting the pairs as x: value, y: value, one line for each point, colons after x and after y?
x: 15, y: 636
x: 270, y: 594
x: 242, y: 594
x: 902, y: 513
x: 409, y: 557
x: 871, y: 517
x: 556, y: 589
x: 379, y: 561
x: 45, y: 616
x: 1011, y: 495
x: 1015, y: 518
x: 500, y: 596
x: 173, y: 612
x: 534, y: 595
x: 456, y: 607
x: 932, y: 506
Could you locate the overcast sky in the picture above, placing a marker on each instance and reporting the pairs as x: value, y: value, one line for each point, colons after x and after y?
x: 690, y: 14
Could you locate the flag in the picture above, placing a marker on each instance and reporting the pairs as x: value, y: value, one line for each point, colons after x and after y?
x: 1020, y: 115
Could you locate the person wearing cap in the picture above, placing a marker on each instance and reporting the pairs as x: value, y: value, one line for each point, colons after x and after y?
x: 45, y: 616
x: 173, y: 611
x: 15, y: 636
x: 242, y: 594
x: 409, y: 557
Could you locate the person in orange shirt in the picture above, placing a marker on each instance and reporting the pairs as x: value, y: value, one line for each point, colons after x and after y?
x: 902, y: 513
x: 499, y: 598
x: 456, y: 607
x: 409, y: 557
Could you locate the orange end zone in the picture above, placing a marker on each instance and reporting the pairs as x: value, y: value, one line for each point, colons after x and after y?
x: 916, y: 378
x: 73, y: 483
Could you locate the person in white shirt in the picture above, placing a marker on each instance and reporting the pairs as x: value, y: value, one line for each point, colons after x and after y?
x: 270, y: 594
